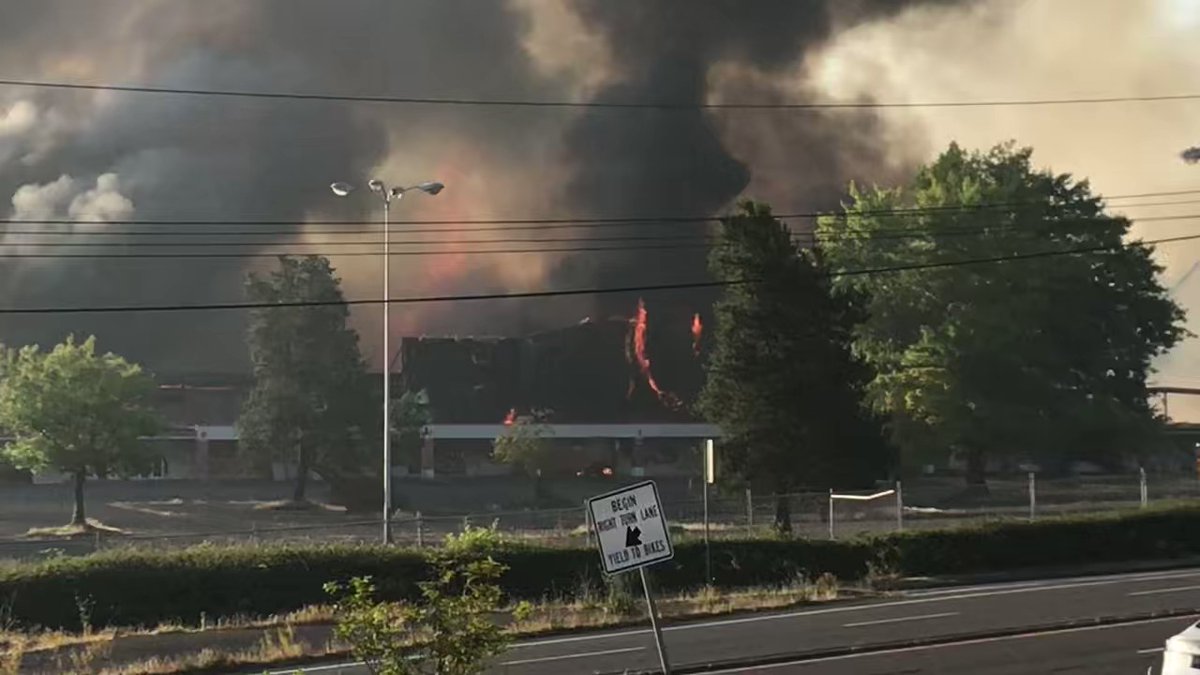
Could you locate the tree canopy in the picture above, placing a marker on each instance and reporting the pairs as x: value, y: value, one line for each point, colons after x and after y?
x: 525, y: 444
x: 312, y: 402
x: 78, y: 412
x: 1041, y: 357
x: 782, y: 381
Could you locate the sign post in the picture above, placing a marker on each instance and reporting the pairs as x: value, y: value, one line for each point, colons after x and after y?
x: 631, y: 533
x: 709, y: 478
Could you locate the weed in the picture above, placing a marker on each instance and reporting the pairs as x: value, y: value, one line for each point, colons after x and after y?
x: 84, y: 606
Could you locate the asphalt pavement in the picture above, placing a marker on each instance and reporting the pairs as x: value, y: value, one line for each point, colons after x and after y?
x: 1006, y: 625
x: 1124, y: 649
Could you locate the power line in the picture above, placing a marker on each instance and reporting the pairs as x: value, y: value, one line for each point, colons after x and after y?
x: 519, y: 224
x: 681, y: 242
x: 610, y: 105
x: 575, y: 291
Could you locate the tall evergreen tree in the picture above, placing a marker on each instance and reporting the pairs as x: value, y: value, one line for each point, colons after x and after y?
x: 782, y: 381
x: 312, y: 402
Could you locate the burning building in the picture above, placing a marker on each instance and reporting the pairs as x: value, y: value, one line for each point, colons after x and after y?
x: 604, y: 395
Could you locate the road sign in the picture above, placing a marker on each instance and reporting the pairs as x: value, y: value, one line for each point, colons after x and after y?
x: 630, y: 528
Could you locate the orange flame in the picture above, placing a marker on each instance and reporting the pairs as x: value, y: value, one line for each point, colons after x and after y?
x: 697, y: 331
x: 640, y: 327
x: 511, y: 417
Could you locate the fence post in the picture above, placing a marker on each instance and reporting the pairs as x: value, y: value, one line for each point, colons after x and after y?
x: 831, y: 513
x: 420, y: 533
x: 466, y: 523
x: 1145, y: 495
x: 749, y: 511
x: 899, y: 508
x: 98, y: 544
x: 1032, y: 496
x: 254, y: 533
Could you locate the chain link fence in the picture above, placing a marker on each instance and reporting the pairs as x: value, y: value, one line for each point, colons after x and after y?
x: 925, y: 503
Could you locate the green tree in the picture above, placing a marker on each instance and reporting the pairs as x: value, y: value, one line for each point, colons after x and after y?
x: 1044, y: 358
x: 411, y: 418
x: 312, y: 402
x: 525, y: 444
x: 450, y: 630
x: 77, y: 412
x: 782, y: 381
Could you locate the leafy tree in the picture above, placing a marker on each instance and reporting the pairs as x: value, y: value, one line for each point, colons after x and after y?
x: 449, y: 631
x: 312, y: 401
x: 411, y: 418
x: 525, y: 445
x: 77, y: 412
x: 1042, y: 357
x: 782, y: 382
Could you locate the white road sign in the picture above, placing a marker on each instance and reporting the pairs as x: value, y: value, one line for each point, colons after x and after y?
x: 630, y: 528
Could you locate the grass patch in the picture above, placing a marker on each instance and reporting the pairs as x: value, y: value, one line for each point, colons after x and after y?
x: 280, y: 645
x: 293, y: 506
x: 74, y: 531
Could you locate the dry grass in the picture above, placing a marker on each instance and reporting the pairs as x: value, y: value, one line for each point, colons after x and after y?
x: 592, y: 613
x: 290, y: 505
x: 11, y: 658
x: 72, y: 531
x: 279, y: 645
x: 23, y: 643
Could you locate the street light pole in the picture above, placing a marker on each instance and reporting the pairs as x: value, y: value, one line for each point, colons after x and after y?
x: 387, y: 375
x: 386, y: 195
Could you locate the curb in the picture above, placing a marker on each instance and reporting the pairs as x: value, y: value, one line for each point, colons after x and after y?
x: 883, y: 647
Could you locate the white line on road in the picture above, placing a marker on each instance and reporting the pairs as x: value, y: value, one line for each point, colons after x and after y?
x: 939, y: 615
x: 1151, y: 650
x: 1130, y: 577
x: 316, y: 669
x: 975, y: 592
x: 902, y: 650
x: 1156, y: 591
x: 572, y: 656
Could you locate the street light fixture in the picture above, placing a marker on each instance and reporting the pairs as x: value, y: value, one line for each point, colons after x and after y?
x: 386, y: 195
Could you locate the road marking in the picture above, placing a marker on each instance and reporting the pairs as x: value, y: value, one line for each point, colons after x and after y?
x: 316, y: 669
x: 1165, y: 590
x: 572, y: 656
x: 999, y: 589
x: 940, y: 615
x: 1151, y: 650
x: 1040, y: 583
x: 803, y: 662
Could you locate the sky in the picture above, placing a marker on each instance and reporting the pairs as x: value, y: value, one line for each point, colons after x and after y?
x: 96, y: 157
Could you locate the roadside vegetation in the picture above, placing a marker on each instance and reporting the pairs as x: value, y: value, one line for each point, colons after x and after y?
x: 211, y: 584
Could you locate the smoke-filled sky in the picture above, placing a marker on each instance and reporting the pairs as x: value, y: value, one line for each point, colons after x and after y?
x: 95, y: 156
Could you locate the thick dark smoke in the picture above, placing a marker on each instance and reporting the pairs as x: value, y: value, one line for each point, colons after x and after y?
x: 150, y: 157
x: 697, y: 162
x: 194, y: 158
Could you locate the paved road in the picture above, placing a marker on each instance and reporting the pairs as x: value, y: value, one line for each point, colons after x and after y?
x: 934, y: 614
x: 1127, y: 649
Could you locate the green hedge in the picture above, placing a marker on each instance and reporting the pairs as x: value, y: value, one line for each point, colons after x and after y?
x: 146, y: 587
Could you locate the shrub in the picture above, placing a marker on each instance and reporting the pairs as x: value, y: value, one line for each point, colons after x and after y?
x: 448, y: 631
x: 146, y: 587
